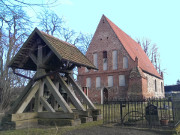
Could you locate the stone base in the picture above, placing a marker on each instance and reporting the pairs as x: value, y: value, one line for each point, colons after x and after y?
x: 97, y: 117
x: 86, y: 119
x: 20, y: 124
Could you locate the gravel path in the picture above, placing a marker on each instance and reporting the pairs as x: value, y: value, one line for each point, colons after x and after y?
x: 99, y: 130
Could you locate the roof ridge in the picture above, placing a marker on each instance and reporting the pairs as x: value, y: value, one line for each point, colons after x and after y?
x: 57, y: 38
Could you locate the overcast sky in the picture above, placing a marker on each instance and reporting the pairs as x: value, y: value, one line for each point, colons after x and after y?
x: 157, y: 20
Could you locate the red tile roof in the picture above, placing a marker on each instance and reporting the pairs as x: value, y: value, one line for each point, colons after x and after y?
x: 134, y: 50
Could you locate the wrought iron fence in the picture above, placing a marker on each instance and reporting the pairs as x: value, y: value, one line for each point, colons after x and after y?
x: 145, y: 113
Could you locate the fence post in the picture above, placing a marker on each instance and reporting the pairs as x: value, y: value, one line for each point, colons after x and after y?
x: 121, y: 112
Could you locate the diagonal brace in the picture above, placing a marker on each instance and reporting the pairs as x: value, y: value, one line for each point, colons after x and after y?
x: 46, y: 105
x: 57, y: 95
x: 71, y: 94
x: 28, y: 97
x: 81, y: 93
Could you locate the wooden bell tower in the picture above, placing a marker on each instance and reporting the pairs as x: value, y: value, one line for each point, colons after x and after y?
x: 53, y: 60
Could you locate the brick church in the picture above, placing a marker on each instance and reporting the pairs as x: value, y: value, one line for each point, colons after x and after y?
x: 124, y: 70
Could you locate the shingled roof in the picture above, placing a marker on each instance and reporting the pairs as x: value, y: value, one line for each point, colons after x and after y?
x: 134, y: 50
x: 62, y: 50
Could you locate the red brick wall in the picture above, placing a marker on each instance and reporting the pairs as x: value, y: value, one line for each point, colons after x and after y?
x: 105, y: 39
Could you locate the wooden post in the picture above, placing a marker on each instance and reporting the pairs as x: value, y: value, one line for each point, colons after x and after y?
x: 40, y: 93
x: 40, y: 71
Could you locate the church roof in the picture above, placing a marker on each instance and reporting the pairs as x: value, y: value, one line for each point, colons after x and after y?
x: 134, y: 50
x: 63, y: 51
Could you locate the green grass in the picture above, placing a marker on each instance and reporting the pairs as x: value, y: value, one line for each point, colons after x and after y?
x: 50, y: 130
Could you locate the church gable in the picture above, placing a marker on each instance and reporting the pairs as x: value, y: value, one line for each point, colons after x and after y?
x: 134, y: 50
x: 104, y: 38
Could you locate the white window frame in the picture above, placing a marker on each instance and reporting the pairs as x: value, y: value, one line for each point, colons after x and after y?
x: 110, y: 81
x: 155, y: 85
x: 122, y: 80
x: 162, y: 88
x: 125, y: 62
x: 105, y: 64
x: 115, y: 59
x: 88, y: 82
x: 98, y: 82
x: 95, y: 59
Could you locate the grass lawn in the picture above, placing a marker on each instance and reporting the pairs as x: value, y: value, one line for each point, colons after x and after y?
x: 50, y: 130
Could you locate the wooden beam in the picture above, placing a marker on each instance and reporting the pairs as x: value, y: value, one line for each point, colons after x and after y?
x: 51, y: 73
x: 19, y: 100
x: 40, y: 72
x: 58, y: 115
x: 33, y: 58
x: 30, y: 95
x: 57, y: 95
x: 24, y: 116
x: 54, y: 104
x: 26, y: 58
x: 46, y: 105
x: 71, y: 94
x: 38, y: 106
x: 47, y: 57
x: 81, y: 93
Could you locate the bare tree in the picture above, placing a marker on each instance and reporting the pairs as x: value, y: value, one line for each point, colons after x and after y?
x: 151, y: 51
x: 50, y: 22
x: 83, y: 42
x: 9, y: 4
x: 13, y: 31
x: 69, y: 35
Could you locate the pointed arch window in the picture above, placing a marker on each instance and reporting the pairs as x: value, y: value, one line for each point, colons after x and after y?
x: 110, y: 81
x: 125, y: 62
x: 115, y: 60
x: 95, y: 60
x: 98, y: 82
x: 104, y: 60
x: 162, y: 89
x: 122, y: 80
x: 155, y: 84
x: 88, y: 82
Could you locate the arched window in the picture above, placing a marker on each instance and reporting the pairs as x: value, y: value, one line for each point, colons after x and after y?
x: 110, y: 81
x: 88, y: 82
x: 162, y: 90
x: 98, y: 82
x: 95, y: 59
x: 104, y: 60
x: 114, y: 60
x: 155, y: 84
x: 122, y: 80
x: 125, y: 62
